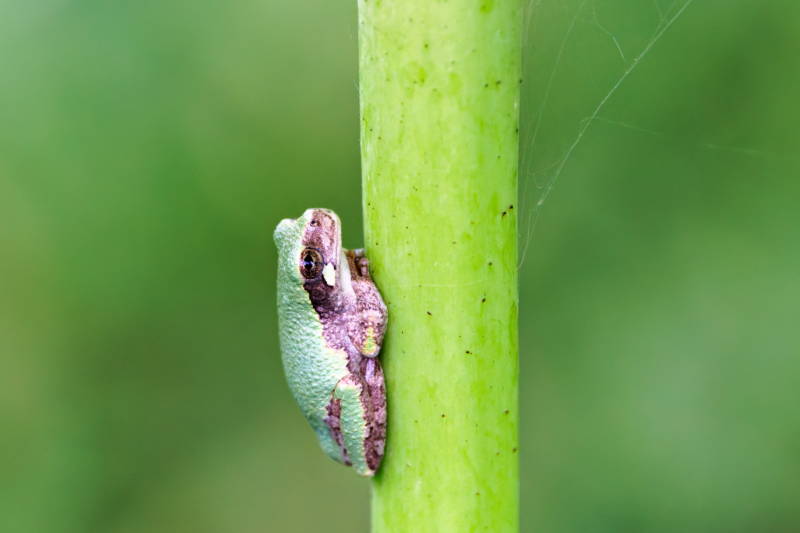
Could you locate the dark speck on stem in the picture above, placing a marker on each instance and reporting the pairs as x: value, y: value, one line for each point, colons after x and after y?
x: 429, y: 313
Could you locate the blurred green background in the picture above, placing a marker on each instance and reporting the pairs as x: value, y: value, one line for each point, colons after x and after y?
x: 149, y: 148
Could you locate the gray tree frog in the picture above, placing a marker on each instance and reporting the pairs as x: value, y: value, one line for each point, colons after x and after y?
x: 332, y: 321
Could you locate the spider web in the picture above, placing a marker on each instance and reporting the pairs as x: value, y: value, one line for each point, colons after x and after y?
x: 585, y: 14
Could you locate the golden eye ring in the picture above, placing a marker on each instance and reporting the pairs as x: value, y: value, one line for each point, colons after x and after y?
x: 311, y: 263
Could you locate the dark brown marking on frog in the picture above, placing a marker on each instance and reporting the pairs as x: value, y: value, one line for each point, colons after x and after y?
x: 345, y: 318
x: 334, y: 423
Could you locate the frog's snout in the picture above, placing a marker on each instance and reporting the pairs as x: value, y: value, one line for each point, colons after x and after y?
x: 283, y: 230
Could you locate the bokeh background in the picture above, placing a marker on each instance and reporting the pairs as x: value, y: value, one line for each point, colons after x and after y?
x: 149, y: 148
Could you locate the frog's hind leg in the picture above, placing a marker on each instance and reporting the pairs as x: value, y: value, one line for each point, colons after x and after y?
x: 354, y: 425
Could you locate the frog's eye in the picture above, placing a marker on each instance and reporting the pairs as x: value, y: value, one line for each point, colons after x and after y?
x: 310, y: 263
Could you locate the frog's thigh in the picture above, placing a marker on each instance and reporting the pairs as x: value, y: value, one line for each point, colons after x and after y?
x: 353, y: 422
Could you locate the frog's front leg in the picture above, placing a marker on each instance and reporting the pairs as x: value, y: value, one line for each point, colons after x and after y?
x: 369, y: 325
x: 357, y: 417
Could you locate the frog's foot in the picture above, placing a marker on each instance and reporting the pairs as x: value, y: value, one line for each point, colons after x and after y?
x: 357, y: 418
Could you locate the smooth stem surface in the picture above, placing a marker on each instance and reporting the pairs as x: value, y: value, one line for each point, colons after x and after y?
x: 439, y: 103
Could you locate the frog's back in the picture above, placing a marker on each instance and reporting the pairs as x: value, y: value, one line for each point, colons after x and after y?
x: 312, y: 369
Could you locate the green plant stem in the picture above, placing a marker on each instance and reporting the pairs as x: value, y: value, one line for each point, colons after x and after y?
x: 439, y: 85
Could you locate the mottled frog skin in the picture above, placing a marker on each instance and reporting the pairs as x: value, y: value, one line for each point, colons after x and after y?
x: 332, y: 321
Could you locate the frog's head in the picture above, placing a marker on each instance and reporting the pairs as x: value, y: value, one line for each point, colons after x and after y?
x: 310, y: 247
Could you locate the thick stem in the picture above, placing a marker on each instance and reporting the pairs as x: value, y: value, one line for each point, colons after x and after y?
x: 439, y: 104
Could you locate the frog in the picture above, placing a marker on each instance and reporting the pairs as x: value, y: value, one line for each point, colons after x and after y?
x: 332, y: 321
